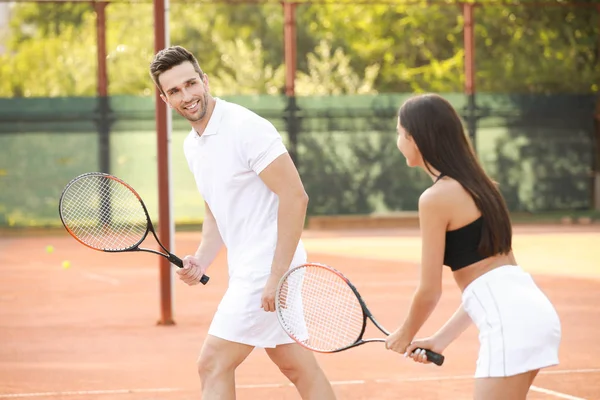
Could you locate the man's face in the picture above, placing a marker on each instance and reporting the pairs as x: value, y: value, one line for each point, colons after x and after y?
x: 185, y: 91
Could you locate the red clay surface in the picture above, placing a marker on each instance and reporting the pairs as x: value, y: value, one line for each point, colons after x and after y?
x: 88, y: 332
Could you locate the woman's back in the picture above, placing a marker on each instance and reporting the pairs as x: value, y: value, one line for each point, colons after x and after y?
x: 458, y: 208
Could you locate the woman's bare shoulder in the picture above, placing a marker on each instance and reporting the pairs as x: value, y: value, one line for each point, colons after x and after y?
x: 447, y: 190
x: 446, y: 197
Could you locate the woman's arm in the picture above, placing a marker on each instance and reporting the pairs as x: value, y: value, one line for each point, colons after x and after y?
x: 454, y: 327
x: 447, y: 334
x: 433, y: 223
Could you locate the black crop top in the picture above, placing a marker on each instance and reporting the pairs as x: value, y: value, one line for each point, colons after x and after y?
x: 462, y: 244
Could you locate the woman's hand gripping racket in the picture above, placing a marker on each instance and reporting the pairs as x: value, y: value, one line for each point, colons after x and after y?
x: 321, y: 310
x: 105, y: 213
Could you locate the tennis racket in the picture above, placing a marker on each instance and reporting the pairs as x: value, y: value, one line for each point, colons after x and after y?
x: 321, y: 310
x: 104, y: 213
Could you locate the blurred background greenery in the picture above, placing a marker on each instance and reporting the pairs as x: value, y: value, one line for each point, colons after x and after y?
x: 537, y: 83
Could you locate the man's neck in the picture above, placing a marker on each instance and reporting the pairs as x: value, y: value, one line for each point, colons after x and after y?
x: 200, y: 126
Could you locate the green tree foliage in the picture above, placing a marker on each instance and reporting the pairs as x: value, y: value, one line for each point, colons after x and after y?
x: 418, y: 46
x: 399, y: 47
x: 330, y: 72
x: 56, y: 59
x: 347, y: 48
x: 244, y: 70
x: 538, y: 50
x: 32, y: 21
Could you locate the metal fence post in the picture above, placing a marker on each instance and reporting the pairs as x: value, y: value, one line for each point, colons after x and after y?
x: 104, y: 112
x: 291, y: 117
x: 469, y: 43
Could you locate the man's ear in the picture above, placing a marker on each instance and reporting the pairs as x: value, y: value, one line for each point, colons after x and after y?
x: 162, y: 96
x: 205, y: 81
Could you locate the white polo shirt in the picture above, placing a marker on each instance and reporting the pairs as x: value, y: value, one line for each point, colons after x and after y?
x: 236, y: 146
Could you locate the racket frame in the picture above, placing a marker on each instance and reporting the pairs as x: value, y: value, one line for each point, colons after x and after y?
x: 431, y: 356
x: 149, y: 226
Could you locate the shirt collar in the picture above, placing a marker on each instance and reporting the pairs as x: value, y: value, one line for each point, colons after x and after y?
x: 212, y: 128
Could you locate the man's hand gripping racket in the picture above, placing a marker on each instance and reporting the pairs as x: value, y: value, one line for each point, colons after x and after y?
x: 104, y: 213
x: 321, y: 310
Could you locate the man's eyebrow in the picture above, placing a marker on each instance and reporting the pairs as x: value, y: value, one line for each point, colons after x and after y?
x: 188, y: 81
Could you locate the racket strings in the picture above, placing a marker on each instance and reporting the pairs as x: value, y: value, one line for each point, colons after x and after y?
x: 318, y: 308
x: 103, y: 213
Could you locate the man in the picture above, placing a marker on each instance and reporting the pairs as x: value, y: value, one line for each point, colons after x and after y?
x: 256, y: 205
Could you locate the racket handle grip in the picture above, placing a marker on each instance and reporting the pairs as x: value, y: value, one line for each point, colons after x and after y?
x: 177, y: 261
x: 434, y: 357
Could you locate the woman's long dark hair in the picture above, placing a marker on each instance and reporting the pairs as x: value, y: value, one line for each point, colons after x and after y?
x: 438, y: 132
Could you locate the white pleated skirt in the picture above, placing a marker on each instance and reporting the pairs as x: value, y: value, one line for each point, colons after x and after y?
x: 519, y: 329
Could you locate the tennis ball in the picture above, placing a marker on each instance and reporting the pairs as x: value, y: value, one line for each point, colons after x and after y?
x: 49, y: 249
x: 66, y: 264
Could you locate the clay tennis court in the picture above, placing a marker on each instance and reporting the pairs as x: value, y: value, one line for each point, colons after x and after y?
x: 89, y: 332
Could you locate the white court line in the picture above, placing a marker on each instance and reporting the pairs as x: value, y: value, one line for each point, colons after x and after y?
x: 88, y: 392
x: 570, y: 371
x: 402, y: 262
x: 101, y: 278
x: 282, y: 385
x: 392, y: 284
x: 427, y: 379
x: 353, y: 382
x: 555, y: 394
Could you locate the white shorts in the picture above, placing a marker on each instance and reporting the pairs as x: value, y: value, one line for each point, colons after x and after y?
x: 239, y: 317
x: 519, y: 329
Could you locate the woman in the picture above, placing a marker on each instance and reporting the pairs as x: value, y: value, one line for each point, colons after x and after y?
x: 465, y: 225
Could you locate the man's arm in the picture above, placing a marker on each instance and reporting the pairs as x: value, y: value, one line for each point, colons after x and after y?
x: 195, y: 266
x: 211, y: 240
x: 282, y: 178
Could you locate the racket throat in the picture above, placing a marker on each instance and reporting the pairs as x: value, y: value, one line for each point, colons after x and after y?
x: 175, y: 260
x: 380, y: 340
